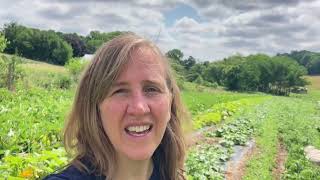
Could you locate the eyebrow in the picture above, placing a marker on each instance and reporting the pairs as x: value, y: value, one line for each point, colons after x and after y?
x: 152, y: 82
x: 117, y: 84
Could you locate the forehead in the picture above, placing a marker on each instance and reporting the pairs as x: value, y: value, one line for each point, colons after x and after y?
x: 143, y: 63
x: 145, y: 55
x: 146, y: 59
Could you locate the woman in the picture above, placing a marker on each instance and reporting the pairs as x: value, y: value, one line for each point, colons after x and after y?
x: 126, y: 118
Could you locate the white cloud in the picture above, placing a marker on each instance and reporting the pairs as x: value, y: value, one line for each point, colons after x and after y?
x: 224, y: 28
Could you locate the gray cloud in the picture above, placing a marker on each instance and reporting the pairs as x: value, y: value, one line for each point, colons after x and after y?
x: 241, y: 43
x: 159, y: 4
x: 226, y: 27
x: 245, y: 5
x: 110, y: 18
x: 55, y: 12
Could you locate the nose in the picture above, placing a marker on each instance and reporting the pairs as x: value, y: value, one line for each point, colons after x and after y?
x: 138, y: 105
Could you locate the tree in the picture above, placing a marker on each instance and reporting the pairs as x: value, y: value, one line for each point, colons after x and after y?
x: 10, y: 71
x: 3, y: 43
x: 214, y: 72
x: 310, y: 60
x: 276, y: 75
x: 231, y: 72
x: 36, y: 44
x: 61, y: 53
x: 175, y: 54
x: 285, y: 75
x: 95, y: 39
x: 10, y: 32
x: 194, y: 72
x: 249, y: 77
x: 77, y: 43
x: 262, y: 63
x: 188, y: 63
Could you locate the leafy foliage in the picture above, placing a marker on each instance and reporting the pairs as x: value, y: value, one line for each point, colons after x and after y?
x: 206, y: 162
x: 50, y: 46
x: 235, y: 133
x: 3, y: 43
x: 31, y: 122
x: 95, y: 39
x: 310, y: 60
x: 36, y: 44
x: 32, y: 166
x: 77, y: 43
x: 276, y: 75
x: 199, y: 102
x: 75, y: 66
x: 222, y: 111
x: 10, y: 71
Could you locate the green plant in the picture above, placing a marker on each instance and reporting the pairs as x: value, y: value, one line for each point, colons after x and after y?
x: 3, y: 43
x: 32, y: 166
x: 206, y: 162
x: 10, y: 71
x: 75, y: 66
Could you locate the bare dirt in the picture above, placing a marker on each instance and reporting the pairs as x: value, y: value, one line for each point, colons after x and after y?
x: 236, y: 167
x: 281, y: 159
x: 196, y: 138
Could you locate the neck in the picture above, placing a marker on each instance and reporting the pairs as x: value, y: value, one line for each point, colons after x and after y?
x: 133, y: 170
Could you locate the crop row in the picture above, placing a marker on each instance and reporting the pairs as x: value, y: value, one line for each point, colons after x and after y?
x: 293, y: 123
x: 222, y: 111
x: 198, y: 102
x: 207, y: 161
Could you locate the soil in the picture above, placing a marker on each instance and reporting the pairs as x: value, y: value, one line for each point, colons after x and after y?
x: 199, y: 137
x: 236, y: 167
x: 280, y: 161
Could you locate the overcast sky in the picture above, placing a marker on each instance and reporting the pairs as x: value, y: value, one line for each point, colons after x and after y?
x: 206, y: 29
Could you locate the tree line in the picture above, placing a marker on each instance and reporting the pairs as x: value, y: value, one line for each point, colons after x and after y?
x: 310, y: 60
x: 260, y: 72
x: 50, y: 46
x: 276, y: 75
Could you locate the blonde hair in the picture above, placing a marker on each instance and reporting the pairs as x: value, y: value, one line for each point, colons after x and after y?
x: 84, y: 136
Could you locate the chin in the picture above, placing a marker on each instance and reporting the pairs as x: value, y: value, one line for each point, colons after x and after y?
x: 140, y: 155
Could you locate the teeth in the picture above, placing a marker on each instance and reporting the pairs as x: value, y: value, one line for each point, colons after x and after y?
x: 138, y: 128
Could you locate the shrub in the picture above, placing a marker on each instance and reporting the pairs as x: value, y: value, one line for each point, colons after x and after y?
x: 75, y: 67
x: 10, y: 71
x: 3, y: 43
x: 63, y: 82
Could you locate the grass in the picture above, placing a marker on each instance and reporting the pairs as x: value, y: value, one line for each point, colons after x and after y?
x: 36, y: 73
x: 315, y: 82
x: 43, y: 75
x: 36, y: 67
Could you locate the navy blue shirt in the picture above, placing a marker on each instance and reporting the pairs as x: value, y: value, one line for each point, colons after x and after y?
x: 72, y: 173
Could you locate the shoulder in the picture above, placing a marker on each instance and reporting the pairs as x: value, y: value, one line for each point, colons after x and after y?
x: 72, y: 173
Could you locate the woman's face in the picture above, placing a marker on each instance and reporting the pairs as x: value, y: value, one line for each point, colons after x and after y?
x: 137, y: 109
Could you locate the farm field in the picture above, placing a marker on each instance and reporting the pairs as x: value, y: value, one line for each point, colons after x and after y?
x: 32, y: 120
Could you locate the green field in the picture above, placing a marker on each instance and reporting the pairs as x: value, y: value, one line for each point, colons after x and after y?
x: 33, y: 116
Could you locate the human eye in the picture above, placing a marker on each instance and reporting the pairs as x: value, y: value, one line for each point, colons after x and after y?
x: 119, y: 91
x: 151, y: 90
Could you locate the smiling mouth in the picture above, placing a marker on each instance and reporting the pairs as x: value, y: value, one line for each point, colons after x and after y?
x: 138, y: 130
